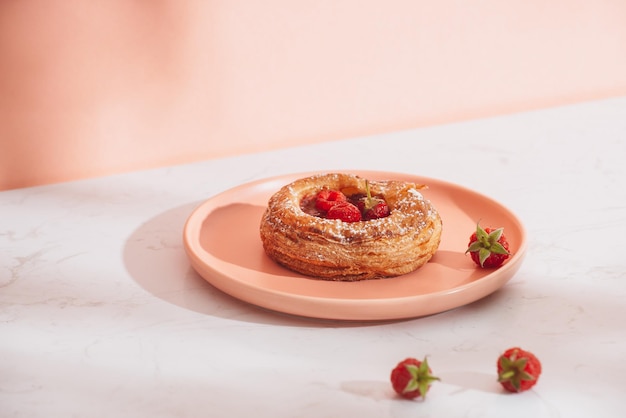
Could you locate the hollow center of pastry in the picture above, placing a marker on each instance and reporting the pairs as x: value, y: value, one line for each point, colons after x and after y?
x: 347, y: 205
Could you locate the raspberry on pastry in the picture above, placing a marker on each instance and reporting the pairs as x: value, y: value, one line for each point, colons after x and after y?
x: 394, y: 230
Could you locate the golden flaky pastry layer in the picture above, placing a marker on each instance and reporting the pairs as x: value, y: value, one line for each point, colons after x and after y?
x: 334, y: 250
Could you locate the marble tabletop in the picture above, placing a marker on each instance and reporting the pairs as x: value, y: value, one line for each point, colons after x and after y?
x: 101, y: 314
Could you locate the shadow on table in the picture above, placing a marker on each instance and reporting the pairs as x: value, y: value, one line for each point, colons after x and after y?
x: 155, y: 257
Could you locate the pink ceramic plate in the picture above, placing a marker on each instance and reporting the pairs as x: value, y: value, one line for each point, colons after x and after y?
x: 222, y: 241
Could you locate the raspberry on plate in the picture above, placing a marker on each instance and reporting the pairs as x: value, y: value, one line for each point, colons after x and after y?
x: 488, y: 247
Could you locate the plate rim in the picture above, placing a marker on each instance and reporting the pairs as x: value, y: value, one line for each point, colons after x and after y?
x: 505, y: 272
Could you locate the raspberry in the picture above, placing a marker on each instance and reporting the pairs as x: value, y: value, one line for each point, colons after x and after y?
x: 412, y: 378
x: 488, y: 247
x: 372, y: 207
x: 344, y: 211
x: 379, y: 210
x: 518, y: 370
x: 328, y: 198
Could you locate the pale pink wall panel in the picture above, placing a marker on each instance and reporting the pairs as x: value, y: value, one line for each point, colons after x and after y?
x: 104, y: 86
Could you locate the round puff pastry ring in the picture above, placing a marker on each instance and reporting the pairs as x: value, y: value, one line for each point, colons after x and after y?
x: 331, y: 249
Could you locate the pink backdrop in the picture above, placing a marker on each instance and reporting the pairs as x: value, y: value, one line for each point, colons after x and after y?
x: 94, y: 87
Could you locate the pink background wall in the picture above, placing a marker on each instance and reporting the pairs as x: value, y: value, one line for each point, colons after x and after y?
x: 94, y: 87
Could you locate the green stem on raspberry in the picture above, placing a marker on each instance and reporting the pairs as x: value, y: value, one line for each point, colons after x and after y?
x: 369, y: 194
x: 507, y: 375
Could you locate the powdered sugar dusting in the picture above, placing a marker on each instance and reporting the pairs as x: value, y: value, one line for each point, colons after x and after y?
x: 410, y: 212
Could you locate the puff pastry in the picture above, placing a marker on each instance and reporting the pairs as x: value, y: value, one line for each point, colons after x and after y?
x: 331, y: 249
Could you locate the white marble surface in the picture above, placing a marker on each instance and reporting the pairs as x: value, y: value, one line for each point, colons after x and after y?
x: 101, y: 315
